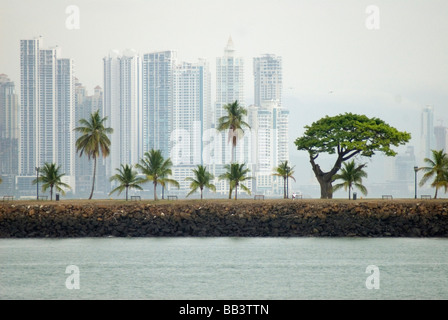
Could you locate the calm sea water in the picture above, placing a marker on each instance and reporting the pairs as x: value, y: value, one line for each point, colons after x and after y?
x: 224, y: 268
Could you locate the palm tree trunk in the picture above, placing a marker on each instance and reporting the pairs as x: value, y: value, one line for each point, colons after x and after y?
x: 284, y: 187
x: 51, y: 193
x: 127, y: 193
x: 155, y: 190
x: 435, y: 196
x: 201, y: 193
x: 236, y: 192
x: 94, y: 173
x: 349, y: 190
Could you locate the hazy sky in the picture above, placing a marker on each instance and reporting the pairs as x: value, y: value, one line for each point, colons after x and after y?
x: 332, y: 62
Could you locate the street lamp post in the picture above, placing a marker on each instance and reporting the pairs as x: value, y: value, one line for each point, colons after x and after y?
x: 415, y: 181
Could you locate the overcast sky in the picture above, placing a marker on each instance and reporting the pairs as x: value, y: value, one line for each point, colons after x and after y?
x: 332, y: 61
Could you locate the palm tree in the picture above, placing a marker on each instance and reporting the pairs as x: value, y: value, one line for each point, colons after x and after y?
x: 285, y: 171
x: 51, y: 178
x: 156, y: 169
x: 93, y: 140
x: 236, y: 173
x: 127, y: 178
x: 438, y: 167
x: 234, y: 122
x: 351, y: 175
x: 202, y: 179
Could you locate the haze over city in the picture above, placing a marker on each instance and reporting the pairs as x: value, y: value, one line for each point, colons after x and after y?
x: 336, y: 59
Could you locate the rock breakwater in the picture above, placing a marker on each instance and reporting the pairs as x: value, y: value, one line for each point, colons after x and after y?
x: 242, y: 218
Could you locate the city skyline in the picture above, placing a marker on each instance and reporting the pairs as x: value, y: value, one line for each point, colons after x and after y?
x: 333, y: 61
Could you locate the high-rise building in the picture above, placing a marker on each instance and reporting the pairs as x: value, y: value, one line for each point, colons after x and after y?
x: 269, y: 123
x: 229, y: 88
x: 427, y: 133
x: 441, y: 137
x: 46, y: 110
x: 85, y: 106
x: 157, y: 100
x: 111, y: 107
x: 268, y: 81
x: 191, y: 117
x: 65, y: 118
x: 122, y: 106
x: 9, y: 134
x: 404, y: 164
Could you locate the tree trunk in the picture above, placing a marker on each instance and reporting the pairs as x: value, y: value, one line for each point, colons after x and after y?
x: 94, y: 174
x: 325, y: 179
x: 435, y: 196
x: 155, y: 190
x: 284, y: 188
x: 51, y: 193
x: 236, y: 192
x: 201, y: 193
x: 127, y: 193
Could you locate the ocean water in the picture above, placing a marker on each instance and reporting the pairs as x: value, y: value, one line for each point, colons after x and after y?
x: 224, y: 268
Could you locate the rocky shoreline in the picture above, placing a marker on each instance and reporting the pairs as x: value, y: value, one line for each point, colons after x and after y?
x: 242, y: 218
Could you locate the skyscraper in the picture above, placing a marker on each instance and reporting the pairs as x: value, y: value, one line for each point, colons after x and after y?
x: 268, y: 80
x: 157, y: 98
x: 441, y: 137
x: 229, y: 88
x: 269, y: 124
x: 122, y: 106
x: 85, y: 106
x: 427, y: 133
x: 111, y: 107
x: 29, y: 105
x: 191, y: 117
x: 65, y: 118
x: 46, y: 111
x: 9, y: 133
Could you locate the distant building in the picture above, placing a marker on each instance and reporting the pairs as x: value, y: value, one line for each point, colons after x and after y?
x: 9, y: 135
x: 85, y: 106
x: 269, y: 124
x: 229, y: 88
x: 122, y: 106
x: 46, y: 110
x: 404, y: 165
x: 9, y: 127
x: 427, y: 133
x: 191, y: 117
x: 268, y: 79
x: 441, y: 138
x: 157, y: 99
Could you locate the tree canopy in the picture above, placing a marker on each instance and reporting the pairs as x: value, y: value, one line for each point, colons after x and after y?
x: 347, y: 135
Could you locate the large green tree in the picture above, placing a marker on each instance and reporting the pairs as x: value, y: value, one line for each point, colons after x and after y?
x: 233, y: 121
x: 347, y: 135
x: 236, y: 174
x: 202, y: 179
x: 93, y: 140
x: 126, y: 178
x: 437, y: 167
x: 351, y: 176
x: 50, y: 177
x: 285, y: 171
x: 156, y: 169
